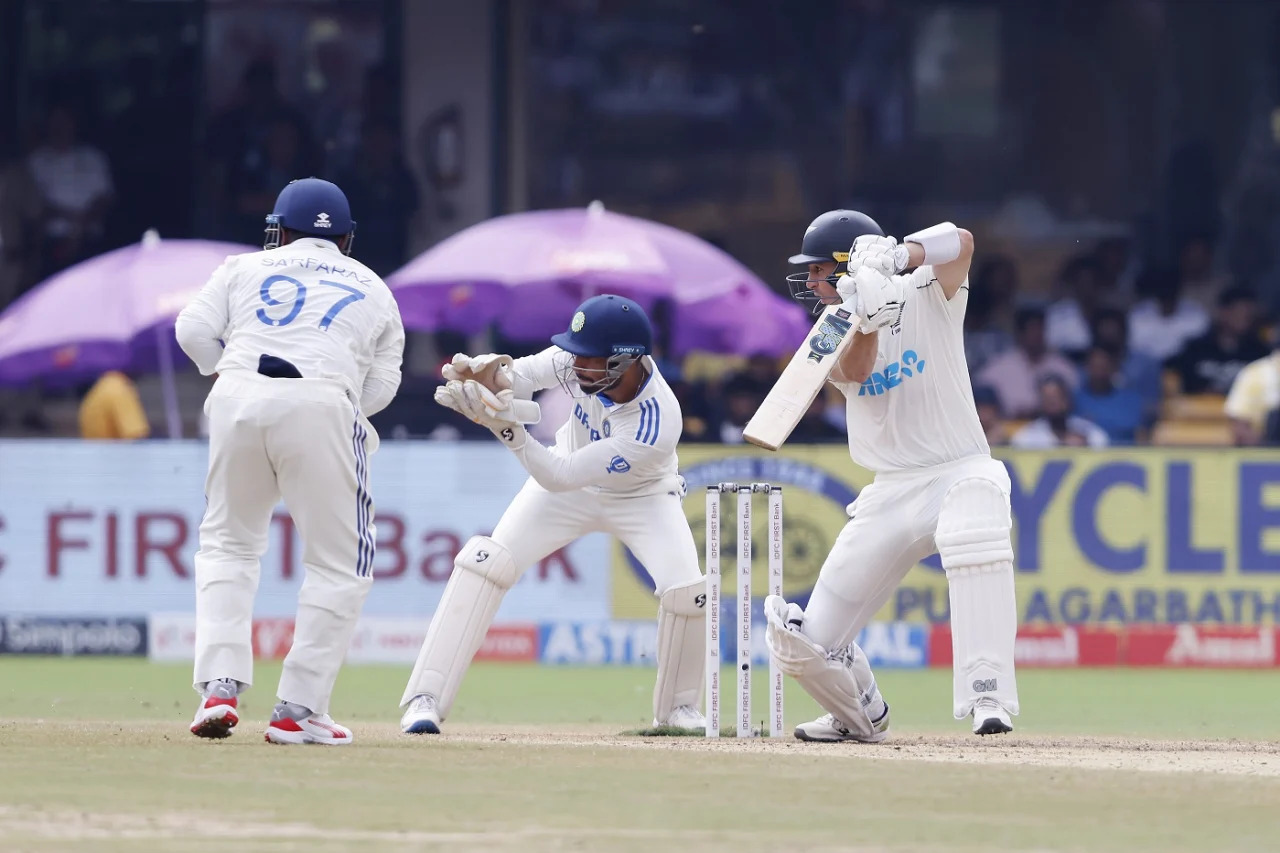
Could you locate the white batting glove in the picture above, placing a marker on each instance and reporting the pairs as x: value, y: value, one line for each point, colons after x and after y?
x: 882, y: 254
x: 873, y: 297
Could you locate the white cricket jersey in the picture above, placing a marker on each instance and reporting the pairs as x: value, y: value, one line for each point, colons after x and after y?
x: 307, y: 303
x: 613, y: 448
x: 916, y: 409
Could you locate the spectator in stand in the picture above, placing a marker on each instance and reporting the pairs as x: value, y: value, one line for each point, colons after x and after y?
x: 113, y: 411
x: 238, y: 141
x: 1015, y: 374
x: 1055, y: 425
x: 1115, y: 265
x: 1209, y: 364
x: 988, y: 405
x: 1119, y: 410
x: 254, y: 185
x: 1254, y: 396
x: 74, y: 181
x: 1200, y: 282
x: 1068, y: 320
x: 1164, y: 321
x: 742, y: 395
x: 985, y: 335
x: 386, y: 193
x: 1142, y: 373
x: 20, y: 215
x: 814, y: 428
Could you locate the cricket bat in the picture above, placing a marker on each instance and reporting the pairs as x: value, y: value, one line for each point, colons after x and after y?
x: 802, y: 379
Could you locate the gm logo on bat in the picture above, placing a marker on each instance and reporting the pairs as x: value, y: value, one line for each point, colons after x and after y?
x: 830, y: 333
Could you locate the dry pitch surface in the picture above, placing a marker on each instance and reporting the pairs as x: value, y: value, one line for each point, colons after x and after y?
x: 95, y: 756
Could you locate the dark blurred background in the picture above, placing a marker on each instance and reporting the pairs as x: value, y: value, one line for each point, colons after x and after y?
x: 1117, y: 161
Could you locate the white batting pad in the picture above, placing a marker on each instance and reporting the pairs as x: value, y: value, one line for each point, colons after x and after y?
x: 681, y: 647
x: 977, y: 553
x: 841, y: 683
x: 483, y: 572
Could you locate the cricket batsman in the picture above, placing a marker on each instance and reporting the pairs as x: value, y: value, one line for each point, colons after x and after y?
x: 306, y: 344
x: 612, y: 469
x: 912, y: 421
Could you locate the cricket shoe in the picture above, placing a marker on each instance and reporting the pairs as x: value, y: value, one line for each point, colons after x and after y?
x: 421, y: 717
x: 292, y: 724
x: 831, y: 729
x: 685, y: 717
x: 990, y: 719
x: 217, y: 714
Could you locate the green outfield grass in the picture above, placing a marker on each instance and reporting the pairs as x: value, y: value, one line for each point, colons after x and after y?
x: 94, y: 755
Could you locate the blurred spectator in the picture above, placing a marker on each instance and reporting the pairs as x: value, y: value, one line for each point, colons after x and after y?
x: 253, y: 186
x: 1142, y: 373
x: 1115, y: 265
x: 1118, y: 410
x: 742, y: 395
x: 1015, y: 374
x: 20, y: 212
x: 384, y: 197
x: 239, y: 139
x: 986, y: 333
x: 1055, y: 425
x: 1254, y: 395
x: 1165, y: 320
x: 74, y: 181
x: 1200, y: 283
x: 814, y: 428
x: 1067, y: 321
x: 113, y: 410
x: 988, y: 404
x: 1209, y: 364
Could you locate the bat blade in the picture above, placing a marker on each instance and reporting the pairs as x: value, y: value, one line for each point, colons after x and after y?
x: 802, y: 379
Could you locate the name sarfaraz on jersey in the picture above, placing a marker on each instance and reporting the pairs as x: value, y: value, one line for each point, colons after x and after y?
x: 318, y: 266
x: 832, y: 331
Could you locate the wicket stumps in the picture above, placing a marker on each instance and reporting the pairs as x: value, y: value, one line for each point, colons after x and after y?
x: 742, y: 607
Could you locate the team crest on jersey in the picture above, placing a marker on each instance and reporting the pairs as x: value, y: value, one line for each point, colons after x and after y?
x: 830, y: 333
x: 579, y: 320
x: 606, y: 429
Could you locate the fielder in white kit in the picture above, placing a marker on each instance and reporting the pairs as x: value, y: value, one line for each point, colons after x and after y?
x: 912, y: 421
x: 613, y: 469
x: 313, y: 345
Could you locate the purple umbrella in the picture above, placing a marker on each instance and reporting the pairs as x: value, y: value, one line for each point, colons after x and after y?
x: 527, y: 272
x: 111, y: 312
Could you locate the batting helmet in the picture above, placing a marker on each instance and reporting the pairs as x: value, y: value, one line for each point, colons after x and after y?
x: 829, y: 238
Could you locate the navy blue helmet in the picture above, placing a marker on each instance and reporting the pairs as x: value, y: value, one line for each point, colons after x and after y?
x: 829, y: 238
x: 310, y: 206
x: 610, y: 327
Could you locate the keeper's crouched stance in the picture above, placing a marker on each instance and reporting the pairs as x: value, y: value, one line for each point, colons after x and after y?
x: 613, y: 469
x: 912, y: 421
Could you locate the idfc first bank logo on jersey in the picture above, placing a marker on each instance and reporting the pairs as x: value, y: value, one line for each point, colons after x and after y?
x: 882, y: 381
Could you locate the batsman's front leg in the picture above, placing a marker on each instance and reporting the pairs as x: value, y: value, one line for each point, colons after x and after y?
x: 977, y: 553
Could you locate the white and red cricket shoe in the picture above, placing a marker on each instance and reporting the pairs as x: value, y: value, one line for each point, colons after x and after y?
x: 217, y: 714
x: 286, y: 728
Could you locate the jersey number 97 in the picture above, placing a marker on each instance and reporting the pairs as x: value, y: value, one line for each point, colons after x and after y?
x: 299, y: 299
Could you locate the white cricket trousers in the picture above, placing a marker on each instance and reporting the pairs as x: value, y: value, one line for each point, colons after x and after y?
x: 891, y: 528
x: 303, y: 440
